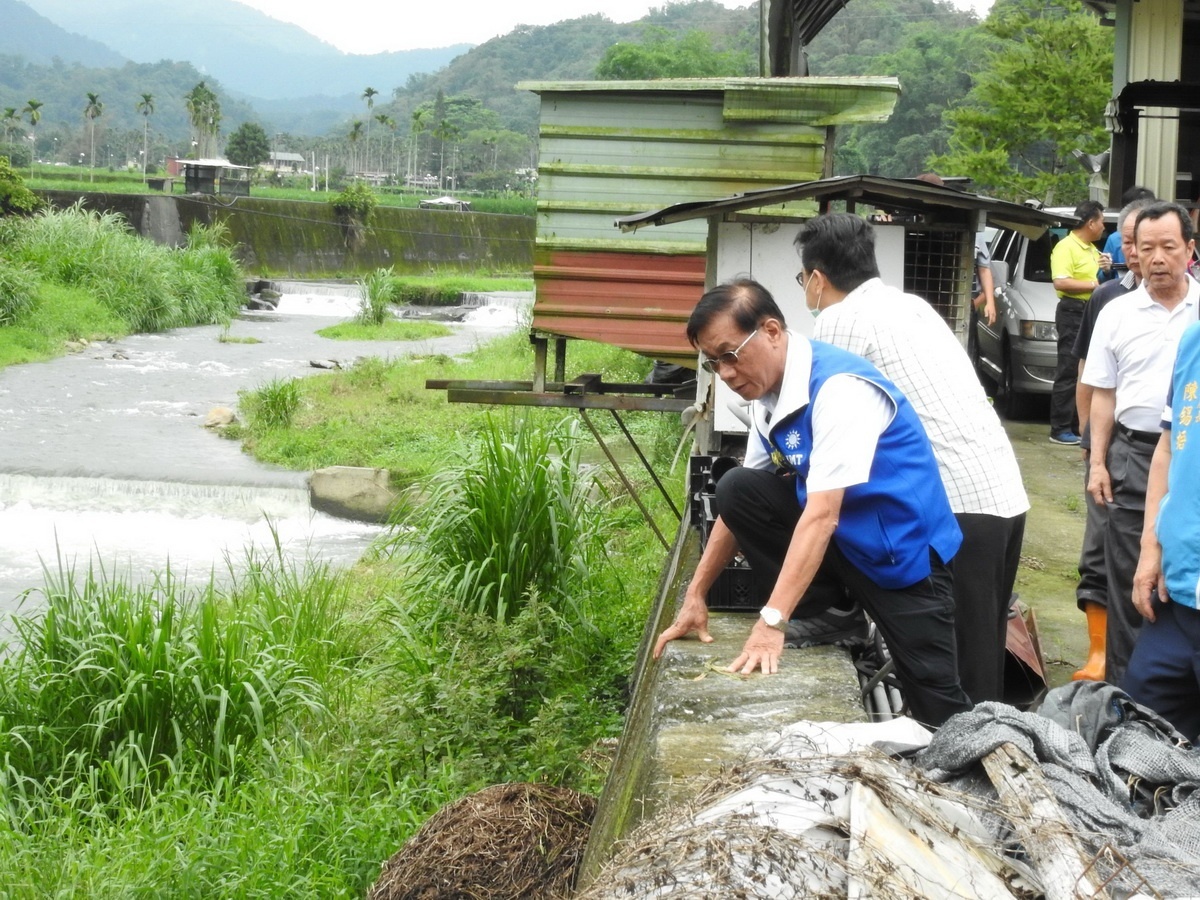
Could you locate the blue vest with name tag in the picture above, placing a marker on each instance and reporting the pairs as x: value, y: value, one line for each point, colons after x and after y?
x: 887, y: 524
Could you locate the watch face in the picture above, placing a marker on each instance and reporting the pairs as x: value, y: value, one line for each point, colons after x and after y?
x: 771, y: 616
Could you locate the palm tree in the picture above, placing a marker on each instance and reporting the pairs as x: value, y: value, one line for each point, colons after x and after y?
x: 146, y: 107
x: 387, y: 122
x: 10, y: 119
x: 356, y: 130
x: 33, y: 109
x: 93, y: 110
x: 369, y: 95
x: 204, y: 111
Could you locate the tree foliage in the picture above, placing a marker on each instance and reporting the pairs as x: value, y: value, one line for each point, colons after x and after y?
x: 248, y: 145
x: 662, y: 54
x: 1040, y: 94
x: 934, y: 64
x: 15, y: 197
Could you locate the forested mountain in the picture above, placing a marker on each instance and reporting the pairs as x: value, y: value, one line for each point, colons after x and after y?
x: 28, y: 34
x: 242, y: 48
x: 62, y: 91
x: 568, y: 50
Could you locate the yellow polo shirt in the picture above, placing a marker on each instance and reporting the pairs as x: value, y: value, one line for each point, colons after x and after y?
x: 1074, y: 258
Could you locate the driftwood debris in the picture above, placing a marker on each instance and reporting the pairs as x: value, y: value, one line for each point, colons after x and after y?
x: 1039, y: 821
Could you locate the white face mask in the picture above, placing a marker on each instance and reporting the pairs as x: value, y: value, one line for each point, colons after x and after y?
x: 816, y: 310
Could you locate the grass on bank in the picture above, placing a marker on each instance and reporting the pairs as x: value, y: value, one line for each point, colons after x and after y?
x: 74, y: 274
x: 394, y: 330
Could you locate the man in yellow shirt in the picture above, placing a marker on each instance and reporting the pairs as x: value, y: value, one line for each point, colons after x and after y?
x: 1075, y: 263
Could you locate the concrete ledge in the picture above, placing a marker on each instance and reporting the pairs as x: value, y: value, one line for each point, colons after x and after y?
x: 686, y: 720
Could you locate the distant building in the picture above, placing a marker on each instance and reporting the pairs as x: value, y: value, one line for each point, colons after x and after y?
x: 281, y: 161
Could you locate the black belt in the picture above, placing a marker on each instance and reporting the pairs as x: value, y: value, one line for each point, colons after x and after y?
x: 1142, y: 437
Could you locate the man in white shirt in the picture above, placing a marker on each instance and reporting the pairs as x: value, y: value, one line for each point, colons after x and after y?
x: 915, y: 349
x: 839, y: 486
x: 1129, y: 368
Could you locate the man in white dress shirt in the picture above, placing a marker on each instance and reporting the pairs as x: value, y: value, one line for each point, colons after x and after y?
x: 1129, y: 366
x: 915, y: 349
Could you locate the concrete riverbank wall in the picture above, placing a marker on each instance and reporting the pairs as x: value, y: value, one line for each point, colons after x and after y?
x: 688, y: 719
x: 308, y: 238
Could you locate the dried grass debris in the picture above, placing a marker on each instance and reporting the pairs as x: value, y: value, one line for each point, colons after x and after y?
x: 504, y: 842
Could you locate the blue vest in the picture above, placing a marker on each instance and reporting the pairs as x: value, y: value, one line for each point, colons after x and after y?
x: 1178, y: 525
x: 888, y: 524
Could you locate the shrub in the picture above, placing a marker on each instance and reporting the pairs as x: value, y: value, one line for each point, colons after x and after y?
x: 15, y: 197
x: 356, y: 202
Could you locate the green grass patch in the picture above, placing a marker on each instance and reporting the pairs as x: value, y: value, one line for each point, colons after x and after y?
x: 393, y: 330
x: 58, y: 314
x: 378, y: 413
x: 447, y: 290
x: 226, y: 338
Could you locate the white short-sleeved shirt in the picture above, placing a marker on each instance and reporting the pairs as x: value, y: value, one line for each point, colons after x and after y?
x: 1133, y: 349
x: 905, y: 338
x: 843, y: 446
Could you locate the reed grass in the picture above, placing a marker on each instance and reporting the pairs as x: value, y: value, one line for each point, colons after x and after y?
x: 117, y: 684
x: 378, y: 294
x: 394, y: 330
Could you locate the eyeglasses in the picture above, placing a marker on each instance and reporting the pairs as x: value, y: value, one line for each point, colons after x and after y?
x: 800, y: 279
x: 728, y: 358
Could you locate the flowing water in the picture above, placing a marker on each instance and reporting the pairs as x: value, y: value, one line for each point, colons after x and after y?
x: 104, y: 460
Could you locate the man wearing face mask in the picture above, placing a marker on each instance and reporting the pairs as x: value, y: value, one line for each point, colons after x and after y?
x: 912, y: 346
x: 839, y: 486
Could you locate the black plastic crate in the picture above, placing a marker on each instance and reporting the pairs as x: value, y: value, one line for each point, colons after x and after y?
x: 737, y: 589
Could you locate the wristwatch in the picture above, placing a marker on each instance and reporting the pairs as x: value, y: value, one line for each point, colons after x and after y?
x: 772, y: 616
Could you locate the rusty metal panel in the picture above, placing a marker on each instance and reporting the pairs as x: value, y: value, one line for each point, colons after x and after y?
x: 638, y: 301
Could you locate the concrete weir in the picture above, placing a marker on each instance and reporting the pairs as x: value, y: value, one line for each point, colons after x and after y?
x: 687, y: 719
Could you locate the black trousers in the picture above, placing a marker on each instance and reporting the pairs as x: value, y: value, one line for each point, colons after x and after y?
x: 1063, y: 413
x: 985, y: 570
x: 917, y: 621
x: 1128, y: 470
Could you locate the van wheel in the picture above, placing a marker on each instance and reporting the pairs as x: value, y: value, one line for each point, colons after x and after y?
x: 1013, y: 404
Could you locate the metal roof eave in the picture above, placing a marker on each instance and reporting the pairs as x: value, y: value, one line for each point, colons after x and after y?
x: 907, y: 194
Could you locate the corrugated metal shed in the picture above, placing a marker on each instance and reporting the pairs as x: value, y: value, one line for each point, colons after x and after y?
x: 614, y: 148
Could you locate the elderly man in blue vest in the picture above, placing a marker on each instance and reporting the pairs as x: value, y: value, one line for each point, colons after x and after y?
x: 840, y: 486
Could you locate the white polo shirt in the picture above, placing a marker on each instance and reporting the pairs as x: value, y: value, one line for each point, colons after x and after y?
x: 1133, y: 350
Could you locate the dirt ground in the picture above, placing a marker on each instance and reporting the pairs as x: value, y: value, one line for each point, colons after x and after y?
x: 1053, y: 533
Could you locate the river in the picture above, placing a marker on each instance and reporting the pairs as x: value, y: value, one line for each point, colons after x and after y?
x: 104, y: 459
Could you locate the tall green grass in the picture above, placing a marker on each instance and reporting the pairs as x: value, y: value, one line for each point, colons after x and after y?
x: 273, y: 406
x: 514, y: 518
x: 378, y: 294
x: 150, y: 287
x: 118, y: 685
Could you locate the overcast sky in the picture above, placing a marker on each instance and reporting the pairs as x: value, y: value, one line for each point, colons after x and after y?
x: 372, y: 26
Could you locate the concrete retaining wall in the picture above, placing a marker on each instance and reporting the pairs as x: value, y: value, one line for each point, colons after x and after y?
x: 687, y: 719
x: 302, y: 238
